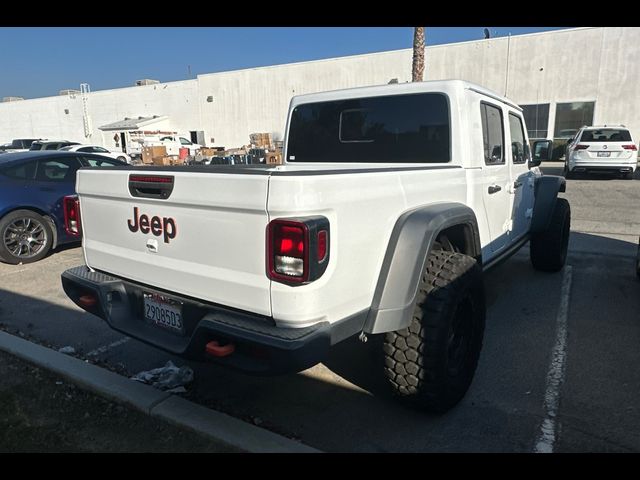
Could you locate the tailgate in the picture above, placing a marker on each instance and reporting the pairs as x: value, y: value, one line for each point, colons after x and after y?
x: 206, y: 240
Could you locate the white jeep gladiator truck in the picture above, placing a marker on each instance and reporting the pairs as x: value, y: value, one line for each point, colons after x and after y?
x: 391, y: 202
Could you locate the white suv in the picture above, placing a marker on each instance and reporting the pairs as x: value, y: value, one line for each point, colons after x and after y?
x: 607, y: 148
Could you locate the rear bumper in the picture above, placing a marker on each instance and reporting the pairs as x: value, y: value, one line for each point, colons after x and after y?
x: 602, y: 166
x: 260, y: 347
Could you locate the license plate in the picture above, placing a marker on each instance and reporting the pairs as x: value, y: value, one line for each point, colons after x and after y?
x: 604, y: 154
x: 163, y: 312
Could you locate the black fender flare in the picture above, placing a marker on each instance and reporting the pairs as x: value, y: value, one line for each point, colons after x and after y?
x: 411, y: 241
x: 546, y: 191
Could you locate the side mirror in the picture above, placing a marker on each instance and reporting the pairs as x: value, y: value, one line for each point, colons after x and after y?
x: 541, y: 152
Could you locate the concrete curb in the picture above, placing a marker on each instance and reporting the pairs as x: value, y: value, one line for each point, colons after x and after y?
x: 152, y: 401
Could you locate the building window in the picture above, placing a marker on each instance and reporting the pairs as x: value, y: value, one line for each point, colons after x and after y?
x: 536, y: 118
x: 572, y: 116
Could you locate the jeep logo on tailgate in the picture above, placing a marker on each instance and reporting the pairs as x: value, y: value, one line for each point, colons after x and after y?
x: 158, y: 226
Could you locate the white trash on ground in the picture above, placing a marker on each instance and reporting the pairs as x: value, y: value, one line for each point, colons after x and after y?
x: 67, y: 350
x: 168, y: 377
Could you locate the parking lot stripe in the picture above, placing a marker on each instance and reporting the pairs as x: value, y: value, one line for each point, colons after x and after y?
x: 105, y: 348
x: 547, y: 435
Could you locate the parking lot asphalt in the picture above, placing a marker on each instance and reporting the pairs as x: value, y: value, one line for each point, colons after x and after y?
x: 557, y: 371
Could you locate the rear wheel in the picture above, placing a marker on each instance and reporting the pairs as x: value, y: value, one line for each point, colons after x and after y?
x: 431, y: 363
x: 25, y: 237
x: 627, y: 175
x: 548, y: 249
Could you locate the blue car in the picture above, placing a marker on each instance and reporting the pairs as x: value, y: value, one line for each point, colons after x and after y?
x: 33, y: 186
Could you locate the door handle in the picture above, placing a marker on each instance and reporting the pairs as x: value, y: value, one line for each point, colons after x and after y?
x: 517, y: 185
x: 494, y: 189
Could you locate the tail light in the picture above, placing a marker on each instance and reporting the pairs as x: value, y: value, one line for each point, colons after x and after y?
x: 630, y: 147
x: 581, y: 147
x: 71, y: 205
x: 297, y: 249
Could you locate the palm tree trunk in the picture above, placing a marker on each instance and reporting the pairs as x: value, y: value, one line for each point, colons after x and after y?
x: 417, y: 70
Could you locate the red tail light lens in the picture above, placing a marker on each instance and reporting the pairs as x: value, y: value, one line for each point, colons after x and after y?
x: 289, y: 250
x: 297, y: 249
x: 581, y: 147
x: 71, y: 206
x: 322, y: 245
x: 630, y: 147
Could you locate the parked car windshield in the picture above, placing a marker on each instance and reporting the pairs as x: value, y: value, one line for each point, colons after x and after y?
x: 410, y: 128
x: 606, y: 135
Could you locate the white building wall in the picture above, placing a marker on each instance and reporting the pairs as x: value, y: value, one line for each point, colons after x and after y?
x: 586, y: 64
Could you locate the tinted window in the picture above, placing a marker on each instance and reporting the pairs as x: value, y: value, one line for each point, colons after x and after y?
x: 573, y: 115
x: 606, y: 135
x: 492, y: 134
x: 100, y: 150
x: 84, y: 149
x: 398, y: 128
x: 58, y: 170
x: 184, y: 141
x: 51, y: 146
x: 100, y: 162
x: 519, y: 148
x: 537, y: 118
x: 23, y: 171
x: 35, y: 146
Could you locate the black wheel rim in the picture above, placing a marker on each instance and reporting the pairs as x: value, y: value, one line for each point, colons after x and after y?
x: 24, y: 237
x: 460, y: 338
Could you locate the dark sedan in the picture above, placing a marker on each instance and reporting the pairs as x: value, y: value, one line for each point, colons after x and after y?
x: 32, y: 190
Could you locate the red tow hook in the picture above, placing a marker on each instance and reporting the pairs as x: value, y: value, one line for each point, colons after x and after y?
x: 214, y: 349
x: 87, y: 300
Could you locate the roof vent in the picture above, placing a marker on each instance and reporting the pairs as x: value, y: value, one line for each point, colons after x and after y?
x: 146, y: 81
x: 69, y: 91
x: 12, y: 99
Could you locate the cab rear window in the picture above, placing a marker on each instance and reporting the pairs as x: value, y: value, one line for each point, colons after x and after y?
x: 606, y: 135
x: 411, y: 128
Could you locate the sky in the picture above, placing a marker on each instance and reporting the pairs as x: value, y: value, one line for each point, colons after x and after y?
x: 39, y: 62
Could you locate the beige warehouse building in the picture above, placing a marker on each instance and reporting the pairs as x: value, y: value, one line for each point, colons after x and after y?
x: 563, y: 79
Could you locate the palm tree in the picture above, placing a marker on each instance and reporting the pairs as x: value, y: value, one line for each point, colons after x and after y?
x: 417, y: 70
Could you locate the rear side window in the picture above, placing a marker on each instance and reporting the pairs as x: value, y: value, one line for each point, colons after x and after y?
x: 606, y: 135
x: 492, y: 134
x: 519, y: 148
x: 52, y: 146
x: 58, y: 170
x: 23, y: 171
x: 395, y: 129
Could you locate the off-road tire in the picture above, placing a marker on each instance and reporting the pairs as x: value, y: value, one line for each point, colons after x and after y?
x: 431, y: 363
x: 548, y: 249
x: 6, y: 255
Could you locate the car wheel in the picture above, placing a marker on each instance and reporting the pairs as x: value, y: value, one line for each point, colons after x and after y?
x: 25, y: 237
x: 122, y: 159
x: 548, y: 249
x: 431, y: 363
x: 627, y: 175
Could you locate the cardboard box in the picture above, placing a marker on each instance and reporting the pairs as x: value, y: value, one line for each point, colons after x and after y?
x: 208, y: 152
x: 273, y: 158
x: 161, y: 161
x: 260, y: 139
x: 149, y: 153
